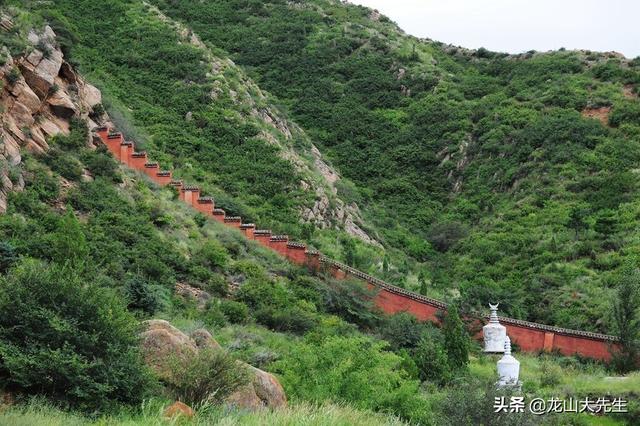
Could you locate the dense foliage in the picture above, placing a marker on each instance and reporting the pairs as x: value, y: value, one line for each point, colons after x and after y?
x: 479, y: 165
x: 68, y: 339
x: 478, y: 172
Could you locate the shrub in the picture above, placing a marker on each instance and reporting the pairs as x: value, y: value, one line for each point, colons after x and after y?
x: 354, y: 369
x: 296, y: 318
x: 101, y: 164
x: 65, y: 165
x: 235, y: 312
x: 212, y: 254
x: 140, y: 295
x: 214, y: 316
x: 13, y: 76
x: 208, y: 376
x: 351, y: 301
x: 431, y: 360
x: 550, y: 373
x: 69, y: 340
x: 8, y: 256
x: 401, y: 330
x: 627, y: 318
x: 444, y: 235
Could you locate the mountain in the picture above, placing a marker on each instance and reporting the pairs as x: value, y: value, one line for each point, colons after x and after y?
x: 506, y: 177
x: 469, y: 176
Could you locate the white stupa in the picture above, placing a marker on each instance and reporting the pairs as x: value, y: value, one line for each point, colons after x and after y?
x: 508, y: 368
x: 494, y: 333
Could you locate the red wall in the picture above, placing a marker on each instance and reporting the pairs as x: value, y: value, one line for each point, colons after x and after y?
x: 529, y: 337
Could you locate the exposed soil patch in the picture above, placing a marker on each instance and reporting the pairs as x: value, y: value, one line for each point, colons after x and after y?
x: 601, y: 114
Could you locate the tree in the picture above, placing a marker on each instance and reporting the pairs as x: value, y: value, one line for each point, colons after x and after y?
x: 627, y: 319
x: 577, y: 219
x: 349, y: 247
x: 68, y: 244
x: 431, y: 359
x: 71, y: 341
x: 8, y: 256
x: 456, y: 339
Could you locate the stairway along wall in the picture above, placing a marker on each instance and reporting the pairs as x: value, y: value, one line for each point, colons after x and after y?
x: 530, y: 337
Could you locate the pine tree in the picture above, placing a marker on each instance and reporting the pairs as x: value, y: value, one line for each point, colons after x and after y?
x: 456, y: 340
x: 627, y: 319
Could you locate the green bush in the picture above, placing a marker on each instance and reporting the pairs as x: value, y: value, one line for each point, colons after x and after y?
x: 64, y: 164
x: 13, y: 76
x: 212, y: 254
x: 101, y: 163
x: 140, y: 295
x: 8, y: 256
x: 456, y: 339
x: 205, y: 377
x: 402, y: 330
x: 213, y: 315
x: 63, y: 337
x: 431, y: 359
x: 357, y: 370
x: 235, y: 312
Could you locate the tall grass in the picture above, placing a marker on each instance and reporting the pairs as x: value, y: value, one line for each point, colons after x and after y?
x: 42, y: 414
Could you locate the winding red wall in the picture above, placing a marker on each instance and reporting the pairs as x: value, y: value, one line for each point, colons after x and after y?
x: 530, y: 337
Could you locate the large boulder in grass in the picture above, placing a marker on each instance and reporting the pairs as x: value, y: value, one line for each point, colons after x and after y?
x: 161, y: 342
x: 264, y: 391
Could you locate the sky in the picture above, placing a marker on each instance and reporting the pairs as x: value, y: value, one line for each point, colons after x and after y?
x: 516, y: 26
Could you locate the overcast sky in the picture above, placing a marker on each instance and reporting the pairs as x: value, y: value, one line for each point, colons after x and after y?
x: 519, y: 25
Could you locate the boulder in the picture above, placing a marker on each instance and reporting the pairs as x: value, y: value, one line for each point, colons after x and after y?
x: 49, y: 127
x: 178, y: 409
x: 161, y: 341
x: 40, y: 69
x: 11, y: 149
x: 268, y: 388
x: 38, y: 137
x: 204, y: 339
x: 263, y: 391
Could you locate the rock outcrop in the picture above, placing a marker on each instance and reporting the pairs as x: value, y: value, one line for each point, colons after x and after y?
x: 162, y: 342
x: 40, y: 94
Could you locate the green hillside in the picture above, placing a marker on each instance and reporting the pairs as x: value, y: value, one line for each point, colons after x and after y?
x: 470, y: 176
x: 478, y: 164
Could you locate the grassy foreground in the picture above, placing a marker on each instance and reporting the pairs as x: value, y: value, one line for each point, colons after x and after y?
x: 38, y: 413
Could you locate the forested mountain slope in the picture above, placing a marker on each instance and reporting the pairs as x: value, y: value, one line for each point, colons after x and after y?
x: 480, y: 173
x: 486, y: 167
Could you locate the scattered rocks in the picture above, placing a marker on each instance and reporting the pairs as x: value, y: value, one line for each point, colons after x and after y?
x: 190, y: 292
